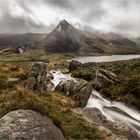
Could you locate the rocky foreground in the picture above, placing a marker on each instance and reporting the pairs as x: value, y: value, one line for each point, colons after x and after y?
x: 27, y: 124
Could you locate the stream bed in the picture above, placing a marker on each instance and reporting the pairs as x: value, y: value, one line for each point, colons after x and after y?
x: 114, y: 111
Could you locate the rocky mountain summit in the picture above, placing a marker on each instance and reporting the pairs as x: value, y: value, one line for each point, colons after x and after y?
x: 65, y: 38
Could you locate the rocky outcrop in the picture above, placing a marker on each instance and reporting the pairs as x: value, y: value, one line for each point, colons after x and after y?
x: 74, y: 65
x: 38, y: 76
x: 104, y: 78
x: 29, y: 125
x: 116, y: 130
x: 79, y: 90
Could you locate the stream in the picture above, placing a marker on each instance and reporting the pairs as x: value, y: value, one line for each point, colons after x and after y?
x: 114, y: 111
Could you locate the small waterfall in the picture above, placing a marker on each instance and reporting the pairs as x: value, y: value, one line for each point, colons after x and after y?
x: 115, y: 111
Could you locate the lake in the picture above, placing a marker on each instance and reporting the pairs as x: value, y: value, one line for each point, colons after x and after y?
x: 109, y: 58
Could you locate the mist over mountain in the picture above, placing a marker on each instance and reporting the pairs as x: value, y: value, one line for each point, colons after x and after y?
x: 41, y: 16
x: 65, y: 38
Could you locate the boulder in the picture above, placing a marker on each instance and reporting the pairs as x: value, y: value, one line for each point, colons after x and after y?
x: 29, y: 125
x: 79, y: 90
x: 74, y: 65
x: 104, y: 78
x: 37, y: 76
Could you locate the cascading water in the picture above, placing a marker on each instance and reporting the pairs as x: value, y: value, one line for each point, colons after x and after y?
x: 114, y: 111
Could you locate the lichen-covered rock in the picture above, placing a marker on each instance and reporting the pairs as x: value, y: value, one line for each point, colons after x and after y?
x: 29, y: 125
x: 79, y: 90
x: 104, y: 78
x: 37, y: 76
x: 73, y: 65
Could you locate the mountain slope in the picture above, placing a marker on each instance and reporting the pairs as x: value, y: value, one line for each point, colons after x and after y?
x: 8, y: 40
x: 137, y: 40
x: 118, y: 39
x: 65, y: 38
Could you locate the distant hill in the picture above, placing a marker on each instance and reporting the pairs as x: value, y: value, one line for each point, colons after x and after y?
x: 137, y: 40
x: 118, y: 39
x: 13, y: 40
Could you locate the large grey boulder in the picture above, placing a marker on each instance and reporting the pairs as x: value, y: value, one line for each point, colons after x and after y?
x: 29, y: 125
x: 104, y: 78
x: 79, y: 90
x: 38, y: 76
x: 74, y: 65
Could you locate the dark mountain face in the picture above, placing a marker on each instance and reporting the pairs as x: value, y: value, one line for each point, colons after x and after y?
x: 8, y: 40
x: 116, y: 39
x: 65, y: 38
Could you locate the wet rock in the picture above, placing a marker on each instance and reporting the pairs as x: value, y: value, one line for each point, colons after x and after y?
x: 65, y: 71
x: 79, y: 90
x: 29, y: 125
x: 37, y: 76
x: 117, y: 130
x: 49, y: 75
x: 104, y: 78
x: 74, y: 65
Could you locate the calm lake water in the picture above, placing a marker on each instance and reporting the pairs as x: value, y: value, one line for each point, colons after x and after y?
x: 86, y: 59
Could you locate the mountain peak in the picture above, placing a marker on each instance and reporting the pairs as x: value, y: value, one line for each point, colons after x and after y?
x: 63, y: 22
x: 64, y: 25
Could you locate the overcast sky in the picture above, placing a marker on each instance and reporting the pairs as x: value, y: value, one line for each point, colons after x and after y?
x: 121, y: 16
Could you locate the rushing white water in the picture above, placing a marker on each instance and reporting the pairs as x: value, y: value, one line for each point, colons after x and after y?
x: 114, y: 111
x: 59, y: 76
x: 109, y: 58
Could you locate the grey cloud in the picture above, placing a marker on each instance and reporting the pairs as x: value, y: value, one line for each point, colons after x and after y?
x: 108, y: 15
x: 10, y: 24
x: 66, y: 4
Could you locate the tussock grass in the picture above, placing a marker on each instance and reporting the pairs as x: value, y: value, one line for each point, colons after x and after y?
x: 52, y: 104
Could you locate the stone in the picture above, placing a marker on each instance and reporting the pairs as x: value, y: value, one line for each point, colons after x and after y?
x: 37, y: 76
x: 104, y: 78
x: 74, y: 65
x: 29, y: 125
x: 79, y: 90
